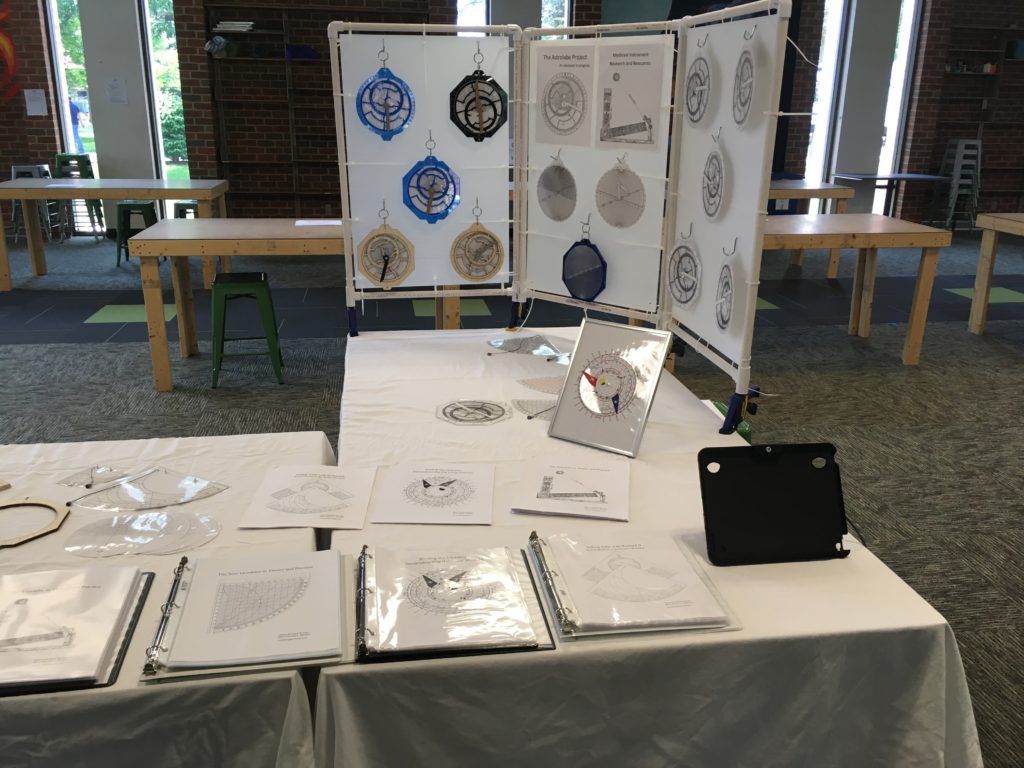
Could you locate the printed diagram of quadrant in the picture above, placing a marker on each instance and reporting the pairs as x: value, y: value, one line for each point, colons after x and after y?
x: 630, y: 579
x: 318, y: 495
x: 438, y: 491
x: 563, y: 486
x: 241, y: 604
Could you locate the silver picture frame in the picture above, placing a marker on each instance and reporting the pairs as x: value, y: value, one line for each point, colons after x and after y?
x: 610, y: 386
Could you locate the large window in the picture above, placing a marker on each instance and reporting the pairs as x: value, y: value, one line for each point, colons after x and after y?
x: 163, y: 56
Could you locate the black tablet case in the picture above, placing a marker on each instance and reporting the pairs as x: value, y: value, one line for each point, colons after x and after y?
x: 772, y: 503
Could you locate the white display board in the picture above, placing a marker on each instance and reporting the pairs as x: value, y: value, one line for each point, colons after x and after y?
x: 728, y: 99
x: 373, y: 169
x: 600, y: 108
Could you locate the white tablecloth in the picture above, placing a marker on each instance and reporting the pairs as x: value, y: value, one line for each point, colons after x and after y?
x: 838, y: 663
x: 244, y: 721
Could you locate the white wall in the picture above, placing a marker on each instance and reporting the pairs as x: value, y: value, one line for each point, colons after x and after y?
x: 861, y: 113
x: 112, y: 44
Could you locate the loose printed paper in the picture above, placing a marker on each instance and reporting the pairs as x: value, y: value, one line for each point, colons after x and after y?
x: 314, y: 497
x: 459, y: 494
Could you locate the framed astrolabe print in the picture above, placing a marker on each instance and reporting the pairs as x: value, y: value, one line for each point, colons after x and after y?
x: 477, y: 253
x: 698, y: 89
x: 384, y: 102
x: 385, y: 255
x: 610, y: 386
x: 620, y: 196
x: 556, y: 190
x: 430, y: 189
x: 478, y: 105
x: 743, y: 87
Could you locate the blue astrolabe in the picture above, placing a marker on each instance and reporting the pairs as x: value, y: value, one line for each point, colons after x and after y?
x: 431, y: 189
x: 385, y: 104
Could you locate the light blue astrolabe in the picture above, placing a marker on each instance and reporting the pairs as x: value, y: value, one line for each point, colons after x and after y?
x: 385, y: 104
x: 431, y: 189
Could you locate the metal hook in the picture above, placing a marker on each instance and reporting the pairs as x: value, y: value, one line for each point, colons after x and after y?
x: 688, y: 235
x: 586, y: 227
x: 557, y: 157
x: 735, y: 242
x: 382, y: 214
x: 751, y: 34
x: 715, y: 136
x: 431, y: 144
x: 622, y: 160
x: 704, y: 42
x: 478, y: 57
x: 382, y: 54
x: 477, y: 210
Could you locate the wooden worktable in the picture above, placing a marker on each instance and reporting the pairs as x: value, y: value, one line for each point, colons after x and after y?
x: 207, y: 193
x: 805, y: 191
x: 991, y: 225
x: 867, y: 232
x: 180, y: 239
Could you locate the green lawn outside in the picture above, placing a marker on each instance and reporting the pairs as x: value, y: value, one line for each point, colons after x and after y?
x: 177, y: 171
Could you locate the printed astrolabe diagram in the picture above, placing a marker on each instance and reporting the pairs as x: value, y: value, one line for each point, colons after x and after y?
x: 556, y: 192
x: 473, y: 412
x: 712, y: 184
x: 629, y: 579
x: 438, y: 491
x: 386, y: 257
x: 241, y: 604
x: 439, y: 591
x: 310, y: 497
x: 563, y: 104
x: 743, y: 87
x: 698, y: 89
x: 684, y: 274
x: 723, y: 298
x: 477, y: 254
x: 607, y: 386
x: 21, y: 630
x: 620, y: 196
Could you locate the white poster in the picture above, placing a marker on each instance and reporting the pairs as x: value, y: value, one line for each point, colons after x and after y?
x: 460, y: 494
x: 313, y: 497
x: 565, y: 99
x: 629, y: 91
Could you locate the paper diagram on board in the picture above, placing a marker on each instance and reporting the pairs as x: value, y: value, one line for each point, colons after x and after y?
x: 629, y: 88
x: 311, y: 497
x: 565, y: 100
x: 456, y: 494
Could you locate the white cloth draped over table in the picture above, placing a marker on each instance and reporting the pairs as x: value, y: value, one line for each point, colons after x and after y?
x: 250, y: 721
x: 838, y: 663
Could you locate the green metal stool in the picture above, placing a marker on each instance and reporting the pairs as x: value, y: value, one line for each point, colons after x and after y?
x: 182, y: 208
x: 237, y: 285
x: 125, y: 210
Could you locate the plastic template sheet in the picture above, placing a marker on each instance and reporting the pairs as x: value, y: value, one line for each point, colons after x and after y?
x: 153, y: 488
x: 144, y: 533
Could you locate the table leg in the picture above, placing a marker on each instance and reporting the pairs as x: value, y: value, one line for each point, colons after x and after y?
x: 855, y: 295
x: 983, y: 281
x: 833, y: 255
x: 30, y: 212
x: 867, y: 296
x: 919, y: 307
x: 448, y: 312
x: 5, y: 264
x: 796, y: 256
x: 204, y: 210
x: 152, y: 295
x: 185, y: 308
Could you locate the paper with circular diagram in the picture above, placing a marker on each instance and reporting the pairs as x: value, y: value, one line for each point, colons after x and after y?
x: 457, y: 494
x: 564, y: 101
x: 311, y: 496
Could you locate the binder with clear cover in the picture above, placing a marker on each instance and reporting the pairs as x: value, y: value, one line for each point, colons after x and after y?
x: 772, y: 503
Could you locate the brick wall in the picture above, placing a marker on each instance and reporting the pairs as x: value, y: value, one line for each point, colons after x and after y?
x: 948, y: 106
x: 26, y: 139
x: 264, y: 123
x: 585, y: 12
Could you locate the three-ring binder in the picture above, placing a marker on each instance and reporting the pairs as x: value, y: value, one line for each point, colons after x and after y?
x: 565, y: 614
x: 362, y: 591
x: 155, y: 649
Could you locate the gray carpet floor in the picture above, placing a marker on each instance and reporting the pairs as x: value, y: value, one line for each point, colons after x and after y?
x: 931, y: 456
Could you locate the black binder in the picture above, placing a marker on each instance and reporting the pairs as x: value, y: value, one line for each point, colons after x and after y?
x: 772, y: 503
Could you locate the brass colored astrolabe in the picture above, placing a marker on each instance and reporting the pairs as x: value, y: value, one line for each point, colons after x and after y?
x: 386, y: 257
x: 477, y: 254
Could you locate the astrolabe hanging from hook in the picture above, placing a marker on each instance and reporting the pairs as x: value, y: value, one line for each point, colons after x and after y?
x: 386, y: 257
x: 384, y: 102
x: 477, y: 253
x: 584, y: 269
x: 478, y: 104
x: 431, y: 188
